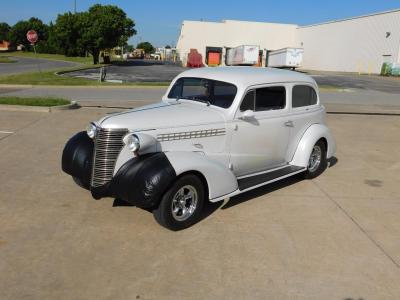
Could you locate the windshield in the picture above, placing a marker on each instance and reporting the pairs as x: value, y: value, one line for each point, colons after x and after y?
x: 209, y: 91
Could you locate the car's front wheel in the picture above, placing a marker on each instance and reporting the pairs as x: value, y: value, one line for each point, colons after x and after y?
x: 182, y: 204
x: 317, y: 162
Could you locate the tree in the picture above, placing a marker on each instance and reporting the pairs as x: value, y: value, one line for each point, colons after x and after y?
x: 68, y: 34
x: 167, y: 47
x: 4, y: 30
x: 146, y: 46
x: 104, y: 27
x: 17, y: 34
x: 51, y: 45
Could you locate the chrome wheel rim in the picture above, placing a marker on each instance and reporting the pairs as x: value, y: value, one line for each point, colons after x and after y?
x: 184, y: 203
x: 315, y: 159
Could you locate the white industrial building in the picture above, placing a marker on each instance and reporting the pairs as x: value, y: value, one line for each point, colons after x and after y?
x: 360, y: 44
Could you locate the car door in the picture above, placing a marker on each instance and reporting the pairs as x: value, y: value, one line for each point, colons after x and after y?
x: 260, y: 142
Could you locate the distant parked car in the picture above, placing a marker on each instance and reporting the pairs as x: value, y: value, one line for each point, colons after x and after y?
x: 217, y: 132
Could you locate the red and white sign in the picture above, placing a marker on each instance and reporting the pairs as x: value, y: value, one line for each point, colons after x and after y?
x: 32, y: 36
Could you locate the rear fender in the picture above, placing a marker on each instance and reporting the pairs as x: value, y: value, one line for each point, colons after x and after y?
x: 307, y: 142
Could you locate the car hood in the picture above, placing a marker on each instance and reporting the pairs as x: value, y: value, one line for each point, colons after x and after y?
x: 163, y: 115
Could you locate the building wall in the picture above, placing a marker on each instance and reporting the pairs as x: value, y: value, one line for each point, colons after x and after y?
x: 352, y: 45
x: 199, y: 35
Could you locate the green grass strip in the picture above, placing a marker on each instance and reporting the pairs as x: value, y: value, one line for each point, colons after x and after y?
x: 34, y: 101
x: 5, y: 59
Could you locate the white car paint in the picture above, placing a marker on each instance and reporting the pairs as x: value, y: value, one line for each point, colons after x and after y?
x: 310, y: 137
x: 218, y: 142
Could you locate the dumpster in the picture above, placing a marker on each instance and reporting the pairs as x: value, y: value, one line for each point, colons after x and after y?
x: 195, y: 60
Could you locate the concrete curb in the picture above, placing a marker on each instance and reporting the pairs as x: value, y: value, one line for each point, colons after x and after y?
x: 72, y: 105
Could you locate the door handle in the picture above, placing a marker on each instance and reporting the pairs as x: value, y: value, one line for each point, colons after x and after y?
x: 289, y: 124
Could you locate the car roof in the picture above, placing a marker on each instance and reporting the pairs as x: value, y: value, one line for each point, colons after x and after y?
x: 247, y: 76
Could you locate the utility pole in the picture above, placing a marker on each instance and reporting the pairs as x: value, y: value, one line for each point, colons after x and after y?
x: 74, y: 6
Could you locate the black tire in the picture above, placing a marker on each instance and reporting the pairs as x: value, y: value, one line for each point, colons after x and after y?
x: 164, y: 214
x: 314, y: 171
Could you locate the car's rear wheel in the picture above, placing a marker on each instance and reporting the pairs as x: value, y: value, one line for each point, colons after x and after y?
x: 317, y: 162
x: 182, y: 204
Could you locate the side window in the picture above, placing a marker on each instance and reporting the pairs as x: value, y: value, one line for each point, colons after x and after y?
x: 303, y: 95
x: 270, y: 98
x: 248, y: 101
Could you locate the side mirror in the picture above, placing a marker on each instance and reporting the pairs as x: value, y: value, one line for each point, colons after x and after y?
x: 248, y: 114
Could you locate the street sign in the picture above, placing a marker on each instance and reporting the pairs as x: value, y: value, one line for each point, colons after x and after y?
x: 32, y: 36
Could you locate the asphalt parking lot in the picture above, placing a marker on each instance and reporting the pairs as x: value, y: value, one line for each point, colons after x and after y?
x: 28, y: 64
x: 157, y: 71
x: 134, y: 71
x: 335, y: 237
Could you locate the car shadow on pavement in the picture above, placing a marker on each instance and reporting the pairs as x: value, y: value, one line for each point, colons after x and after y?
x: 118, y: 202
x: 266, y: 189
x: 263, y: 190
x: 210, y: 207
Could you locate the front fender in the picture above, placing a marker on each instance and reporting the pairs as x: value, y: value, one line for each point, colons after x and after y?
x: 77, y: 158
x: 142, y: 180
x: 307, y: 142
x: 220, y: 179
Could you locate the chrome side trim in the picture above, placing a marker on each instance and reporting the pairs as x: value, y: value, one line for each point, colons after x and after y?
x: 190, y: 134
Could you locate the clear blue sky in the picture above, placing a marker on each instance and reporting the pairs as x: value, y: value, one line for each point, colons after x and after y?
x: 159, y: 21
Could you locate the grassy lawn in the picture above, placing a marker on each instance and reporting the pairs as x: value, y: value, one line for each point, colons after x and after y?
x: 35, y: 101
x: 5, y: 59
x: 82, y: 60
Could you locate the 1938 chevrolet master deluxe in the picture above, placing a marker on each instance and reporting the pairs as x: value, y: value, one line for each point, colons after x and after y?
x: 217, y: 132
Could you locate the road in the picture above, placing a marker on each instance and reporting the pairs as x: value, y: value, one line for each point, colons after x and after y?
x: 352, y: 81
x: 335, y: 237
x: 27, y: 64
x: 134, y: 96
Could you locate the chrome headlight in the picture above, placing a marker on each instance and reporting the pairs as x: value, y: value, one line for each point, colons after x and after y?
x: 91, y: 130
x: 132, y: 142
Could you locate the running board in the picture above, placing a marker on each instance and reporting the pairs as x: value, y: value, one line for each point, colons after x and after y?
x: 264, y: 178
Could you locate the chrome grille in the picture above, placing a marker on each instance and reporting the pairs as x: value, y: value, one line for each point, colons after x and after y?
x: 107, y: 146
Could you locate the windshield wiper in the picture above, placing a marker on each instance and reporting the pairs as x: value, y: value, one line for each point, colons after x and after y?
x: 197, y: 99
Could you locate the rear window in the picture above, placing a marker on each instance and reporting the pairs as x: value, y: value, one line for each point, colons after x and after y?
x: 303, y: 95
x: 214, y: 92
x: 270, y: 98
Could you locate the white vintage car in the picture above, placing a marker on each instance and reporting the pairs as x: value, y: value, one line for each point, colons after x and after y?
x: 217, y: 132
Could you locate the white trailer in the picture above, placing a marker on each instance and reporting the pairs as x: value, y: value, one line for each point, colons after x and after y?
x: 242, y: 55
x: 286, y: 58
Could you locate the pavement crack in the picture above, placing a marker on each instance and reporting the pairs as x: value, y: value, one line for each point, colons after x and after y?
x: 359, y: 226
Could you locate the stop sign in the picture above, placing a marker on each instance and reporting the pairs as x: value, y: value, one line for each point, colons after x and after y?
x: 32, y: 36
